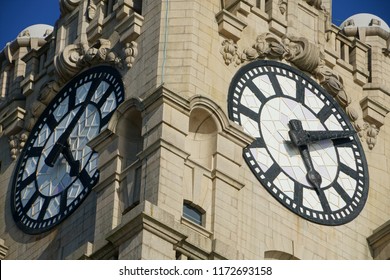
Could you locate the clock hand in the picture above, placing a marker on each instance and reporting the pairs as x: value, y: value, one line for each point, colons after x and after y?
x: 299, y: 136
x: 60, y: 143
x: 74, y: 164
x: 295, y: 133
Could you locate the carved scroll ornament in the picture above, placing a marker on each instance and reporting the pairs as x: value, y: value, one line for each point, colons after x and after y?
x: 75, y: 57
x: 298, y: 51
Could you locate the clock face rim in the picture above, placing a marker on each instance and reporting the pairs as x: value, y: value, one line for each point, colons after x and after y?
x: 235, y: 117
x: 70, y: 87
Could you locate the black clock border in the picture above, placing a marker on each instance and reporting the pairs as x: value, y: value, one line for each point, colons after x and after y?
x: 240, y: 75
x: 66, y: 90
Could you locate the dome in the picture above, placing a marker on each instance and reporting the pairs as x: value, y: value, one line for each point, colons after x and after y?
x: 36, y: 31
x: 365, y: 20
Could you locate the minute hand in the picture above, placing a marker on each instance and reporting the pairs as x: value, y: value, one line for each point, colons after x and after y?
x: 306, y: 137
x: 61, y: 142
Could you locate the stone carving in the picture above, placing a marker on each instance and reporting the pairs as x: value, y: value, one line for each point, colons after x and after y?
x: 282, y: 6
x: 333, y: 84
x: 91, y: 10
x: 75, y: 57
x: 16, y: 143
x: 302, y: 54
x: 316, y: 3
x: 229, y: 51
x: 298, y: 51
x: 131, y: 51
x: 67, y: 6
x: 365, y: 130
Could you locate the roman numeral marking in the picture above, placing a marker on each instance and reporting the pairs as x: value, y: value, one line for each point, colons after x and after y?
x: 105, y: 96
x: 35, y: 151
x: 273, y: 172
x: 339, y: 189
x: 249, y: 113
x: 324, y: 113
x: 275, y: 84
x: 324, y: 201
x: 43, y: 209
x: 300, y: 92
x: 258, y: 143
x: 31, y: 201
x: 256, y: 91
x: 63, y: 200
x: 298, y: 193
x: 348, y: 170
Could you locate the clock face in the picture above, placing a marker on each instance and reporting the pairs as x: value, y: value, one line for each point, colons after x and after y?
x: 57, y: 169
x: 305, y: 151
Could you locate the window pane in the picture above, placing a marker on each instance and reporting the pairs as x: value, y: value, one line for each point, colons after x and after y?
x: 192, y: 214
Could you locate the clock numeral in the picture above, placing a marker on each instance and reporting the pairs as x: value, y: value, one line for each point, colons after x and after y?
x: 258, y: 143
x: 31, y: 201
x: 72, y: 101
x: 348, y: 170
x: 85, y: 179
x: 343, y: 194
x: 43, y: 209
x: 28, y: 180
x: 51, y: 122
x: 35, y: 151
x: 92, y: 89
x: 323, y: 201
x: 256, y: 91
x: 249, y: 113
x: 105, y: 96
x: 275, y: 83
x: 273, y: 172
x: 300, y: 92
x: 324, y: 113
x: 63, y: 201
x: 342, y: 142
x: 298, y: 193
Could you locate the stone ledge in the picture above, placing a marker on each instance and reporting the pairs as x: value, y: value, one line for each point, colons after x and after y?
x: 379, y: 242
x: 374, y: 111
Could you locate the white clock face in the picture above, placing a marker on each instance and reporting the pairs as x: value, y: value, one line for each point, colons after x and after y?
x: 264, y: 98
x: 57, y: 169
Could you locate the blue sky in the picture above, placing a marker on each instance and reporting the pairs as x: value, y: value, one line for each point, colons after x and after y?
x: 15, y: 15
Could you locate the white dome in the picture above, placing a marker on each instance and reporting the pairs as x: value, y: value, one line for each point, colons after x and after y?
x: 365, y: 20
x: 36, y: 31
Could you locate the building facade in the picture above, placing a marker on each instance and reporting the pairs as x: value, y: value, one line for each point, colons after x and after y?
x: 149, y: 130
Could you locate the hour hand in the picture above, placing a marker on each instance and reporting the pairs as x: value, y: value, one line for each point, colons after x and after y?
x: 300, y: 137
x: 62, y: 147
x: 74, y: 164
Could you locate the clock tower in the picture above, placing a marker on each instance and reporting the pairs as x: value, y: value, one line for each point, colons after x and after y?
x: 196, y: 130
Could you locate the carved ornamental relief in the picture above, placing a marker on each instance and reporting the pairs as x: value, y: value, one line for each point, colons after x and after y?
x: 75, y: 57
x: 298, y: 51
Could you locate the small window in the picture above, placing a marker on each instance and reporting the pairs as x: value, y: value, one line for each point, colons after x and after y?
x: 193, y: 213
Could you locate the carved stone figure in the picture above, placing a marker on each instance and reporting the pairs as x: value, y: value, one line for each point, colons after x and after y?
x: 316, y: 3
x: 302, y: 53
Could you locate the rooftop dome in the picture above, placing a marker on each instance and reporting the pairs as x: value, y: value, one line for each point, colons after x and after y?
x: 36, y: 31
x: 365, y: 20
